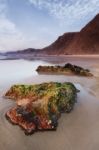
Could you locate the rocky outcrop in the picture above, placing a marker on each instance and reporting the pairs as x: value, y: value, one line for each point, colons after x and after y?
x: 39, y: 106
x: 67, y: 69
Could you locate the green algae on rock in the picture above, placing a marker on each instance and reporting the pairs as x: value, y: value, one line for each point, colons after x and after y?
x: 39, y: 106
x: 67, y: 69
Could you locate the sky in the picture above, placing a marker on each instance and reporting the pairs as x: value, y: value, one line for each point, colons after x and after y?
x: 37, y: 23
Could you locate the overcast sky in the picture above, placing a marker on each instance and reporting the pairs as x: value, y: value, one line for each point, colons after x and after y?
x: 37, y: 23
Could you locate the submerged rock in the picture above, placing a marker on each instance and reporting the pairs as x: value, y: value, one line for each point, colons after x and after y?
x: 44, y: 104
x: 67, y: 69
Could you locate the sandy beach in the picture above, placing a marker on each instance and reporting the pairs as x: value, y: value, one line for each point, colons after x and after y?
x: 78, y: 130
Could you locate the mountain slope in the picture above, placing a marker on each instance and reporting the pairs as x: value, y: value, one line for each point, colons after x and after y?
x: 84, y: 42
x: 74, y: 43
x: 58, y: 47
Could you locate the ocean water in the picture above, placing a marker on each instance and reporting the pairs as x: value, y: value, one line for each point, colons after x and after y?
x: 78, y: 130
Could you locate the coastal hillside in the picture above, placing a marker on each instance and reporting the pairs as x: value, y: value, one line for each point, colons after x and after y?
x: 60, y: 45
x: 83, y: 42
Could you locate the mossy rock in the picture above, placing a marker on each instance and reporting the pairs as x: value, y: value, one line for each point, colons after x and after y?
x: 45, y: 101
x: 67, y: 69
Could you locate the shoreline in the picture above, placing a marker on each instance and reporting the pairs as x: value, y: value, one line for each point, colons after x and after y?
x: 30, y: 57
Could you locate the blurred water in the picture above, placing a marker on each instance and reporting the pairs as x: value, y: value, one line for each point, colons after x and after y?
x: 78, y: 130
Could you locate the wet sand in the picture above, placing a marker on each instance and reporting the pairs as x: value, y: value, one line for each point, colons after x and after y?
x: 78, y: 130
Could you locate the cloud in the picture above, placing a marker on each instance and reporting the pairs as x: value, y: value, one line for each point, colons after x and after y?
x: 9, y: 34
x: 12, y: 38
x: 68, y: 9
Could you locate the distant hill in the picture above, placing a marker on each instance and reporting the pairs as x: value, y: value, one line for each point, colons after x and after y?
x: 74, y: 43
